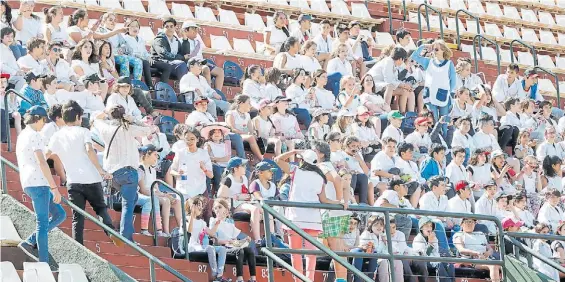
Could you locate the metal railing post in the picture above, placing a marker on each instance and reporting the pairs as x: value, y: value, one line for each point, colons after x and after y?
x: 428, y: 19
x: 556, y: 78
x: 293, y: 270
x: 532, y: 48
x: 7, y: 115
x: 4, y: 181
x: 183, y: 213
x: 389, y: 246
x: 479, y: 36
x: 457, y: 30
x: 389, y: 16
x: 268, y: 244
x: 517, y: 244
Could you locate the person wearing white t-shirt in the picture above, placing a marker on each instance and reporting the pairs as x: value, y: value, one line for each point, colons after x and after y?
x: 309, y: 61
x: 435, y: 200
x: 408, y: 167
x: 324, y: 98
x: 383, y: 162
x: 38, y: 183
x: 31, y: 61
x: 253, y: 85
x: 420, y: 138
x: 72, y: 144
x: 550, y: 213
x: 455, y: 170
x: 395, y: 197
x: 393, y: 129
x: 324, y: 41
x: 507, y: 84
x: 550, y: 147
x: 307, y: 186
x: 338, y: 66
x: 359, y: 181
x: 460, y: 203
x: 26, y: 24
x: 487, y: 205
x: 484, y: 139
x: 122, y: 96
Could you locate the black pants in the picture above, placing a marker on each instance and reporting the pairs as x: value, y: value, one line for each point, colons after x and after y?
x: 508, y: 135
x: 93, y: 193
x: 144, y: 99
x: 360, y: 184
x: 411, y: 267
x: 240, y: 255
x: 164, y: 68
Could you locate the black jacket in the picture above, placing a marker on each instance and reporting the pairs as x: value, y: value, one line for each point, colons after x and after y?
x: 161, y: 50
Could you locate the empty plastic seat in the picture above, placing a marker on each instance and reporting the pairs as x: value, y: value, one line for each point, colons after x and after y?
x: 452, y: 24
x: 299, y: 4
x: 472, y: 26
x: 525, y: 58
x: 493, y: 9
x: 320, y: 6
x: 366, y: 33
x: 468, y: 49
x: 112, y: 4
x: 293, y: 25
x: 511, y: 12
x: 546, y: 85
x: 91, y: 2
x: 359, y: 10
x: 254, y: 21
x: 505, y: 55
x: 560, y: 3
x: 315, y: 28
x: 8, y: 234
x: 492, y: 29
x: 547, y: 2
x: 228, y: 17
x: 547, y: 37
x: 243, y: 46
x: 457, y: 4
x: 181, y: 10
x: 220, y: 42
x: 413, y: 17
x: 476, y: 7
x: 560, y: 63
x: 546, y: 18
x: 270, y: 21
x: 529, y: 15
x: 545, y: 61
x: 384, y: 39
x: 560, y: 20
x: 8, y: 272
x: 561, y: 39
x: 134, y: 5
x: 279, y: 2
x: 511, y: 33
x: 34, y: 270
x: 489, y: 54
x: 146, y: 33
x: 339, y: 7
x: 158, y: 7
x: 443, y: 4
x: 205, y: 14
x: 260, y: 47
x: 529, y: 35
x: 71, y: 272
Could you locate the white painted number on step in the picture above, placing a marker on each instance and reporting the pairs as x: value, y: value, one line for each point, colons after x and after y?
x: 234, y: 272
x: 202, y: 268
x: 464, y: 280
x: 264, y: 273
x: 24, y: 198
x: 325, y: 275
x: 98, y: 247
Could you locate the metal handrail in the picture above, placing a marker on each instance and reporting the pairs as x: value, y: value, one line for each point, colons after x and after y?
x: 533, y: 253
x: 477, y: 19
x: 152, y: 259
x: 389, y: 5
x: 556, y: 78
x: 7, y: 115
x: 480, y: 36
x: 266, y: 205
x: 183, y: 212
x: 428, y: 19
x: 284, y: 264
x: 532, y: 48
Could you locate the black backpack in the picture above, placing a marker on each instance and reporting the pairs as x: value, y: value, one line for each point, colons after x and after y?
x: 176, y: 242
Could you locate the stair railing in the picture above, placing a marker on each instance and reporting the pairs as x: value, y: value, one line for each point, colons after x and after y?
x: 152, y: 259
x: 532, y: 49
x: 510, y: 236
x: 475, y: 45
x: 477, y: 20
x: 183, y: 212
x: 389, y: 6
x: 555, y: 78
x: 428, y: 7
x: 7, y: 115
x: 338, y: 256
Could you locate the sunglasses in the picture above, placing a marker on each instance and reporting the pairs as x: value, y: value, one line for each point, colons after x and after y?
x: 56, y: 50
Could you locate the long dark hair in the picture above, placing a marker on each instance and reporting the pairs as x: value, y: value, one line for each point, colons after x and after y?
x: 548, y: 163
x: 296, y: 73
x: 7, y: 13
x: 77, y: 55
x: 248, y: 71
x: 314, y: 168
x: 272, y: 75
x: 368, y: 123
x: 118, y: 112
x: 373, y: 90
x: 288, y: 43
x: 101, y: 44
x: 239, y: 99
x: 316, y: 75
x: 51, y: 13
x: 79, y: 14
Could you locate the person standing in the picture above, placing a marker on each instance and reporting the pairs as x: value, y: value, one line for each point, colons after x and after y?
x: 73, y: 145
x: 38, y: 183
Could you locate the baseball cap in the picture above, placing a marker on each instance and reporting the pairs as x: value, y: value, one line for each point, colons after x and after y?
x: 421, y: 121
x: 304, y: 17
x: 199, y: 99
x: 345, y: 113
x: 510, y: 222
x: 319, y: 112
x: 264, y: 103
x: 37, y: 111
x: 93, y: 78
x: 496, y: 153
x: 354, y: 23
x: 124, y: 80
x: 262, y: 166
x: 425, y: 220
x: 194, y: 60
x: 282, y: 99
x: 33, y: 76
x: 362, y: 110
x: 530, y: 72
x: 395, y: 114
x: 187, y: 25
x: 235, y: 162
x: 491, y: 183
x: 309, y: 156
x: 148, y: 149
x: 5, y: 75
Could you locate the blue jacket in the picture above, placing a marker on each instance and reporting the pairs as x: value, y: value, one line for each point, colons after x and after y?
x: 430, y: 168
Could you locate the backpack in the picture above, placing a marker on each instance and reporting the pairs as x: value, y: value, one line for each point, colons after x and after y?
x: 232, y: 73
x: 176, y: 242
x: 165, y: 93
x: 166, y: 125
x: 407, y: 126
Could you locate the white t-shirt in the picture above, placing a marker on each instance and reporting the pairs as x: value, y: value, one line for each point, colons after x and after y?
x: 455, y: 173
x: 28, y: 62
x: 29, y: 141
x: 30, y: 28
x: 325, y: 98
x: 474, y: 241
x: 127, y: 102
x: 190, y: 164
x: 69, y: 144
x: 337, y: 65
x: 430, y: 202
x: 196, y: 118
x: 310, y: 64
x: 342, y: 156
x: 194, y: 242
x: 47, y: 131
x: 271, y: 92
x: 327, y: 167
x: 395, y: 133
x: 87, y: 68
x: 383, y: 162
x: 62, y: 69
x: 482, y: 140
x: 241, y: 122
x: 148, y: 174
x: 458, y: 205
x: 226, y: 230
x: 305, y: 188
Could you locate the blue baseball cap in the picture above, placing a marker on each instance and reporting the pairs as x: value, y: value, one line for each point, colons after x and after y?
x: 148, y: 149
x: 235, y: 162
x: 262, y: 166
x: 37, y: 111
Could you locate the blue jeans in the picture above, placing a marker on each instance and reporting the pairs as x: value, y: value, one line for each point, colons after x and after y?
x: 217, y: 170
x: 179, y: 68
x: 333, y: 83
x: 125, y: 179
x: 42, y: 200
x: 441, y: 237
x: 18, y: 50
x: 358, y: 263
x: 445, y: 271
x: 237, y: 144
x: 439, y: 112
x: 303, y: 116
x: 217, y: 265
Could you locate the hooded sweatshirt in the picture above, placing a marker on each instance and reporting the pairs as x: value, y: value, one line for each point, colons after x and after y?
x: 161, y: 50
x: 421, y: 246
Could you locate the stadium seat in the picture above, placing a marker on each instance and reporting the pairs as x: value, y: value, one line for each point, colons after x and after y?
x: 279, y: 2
x: 472, y: 26
x: 91, y: 2
x: 547, y: 2
x: 359, y: 10
x: 546, y: 18
x: 546, y: 61
x: 493, y: 9
x: 293, y: 25
x: 134, y: 5
x: 147, y: 34
x: 384, y: 39
x: 451, y: 24
x: 457, y: 4
x: 254, y: 21
x: 228, y: 17
x: 511, y: 33
x: 220, y: 42
x: 489, y: 54
x: 529, y: 35
x: 34, y: 270
x: 435, y: 22
x: 158, y: 7
x: 511, y: 12
x: 506, y: 56
x: 205, y: 14
x: 260, y: 47
x: 8, y: 234
x: 71, y: 272
x: 560, y: 63
x: 561, y: 39
x: 547, y: 37
x: 8, y: 272
x: 243, y: 46
x: 546, y: 85
x: 320, y: 6
x: 560, y: 3
x: 315, y: 28
x: 560, y: 20
x: 442, y: 4
x: 529, y: 15
x: 299, y: 4
x: 492, y: 29
x: 340, y: 7
x: 112, y: 4
x: 525, y: 58
x: 476, y: 7
x: 181, y: 10
x: 467, y: 48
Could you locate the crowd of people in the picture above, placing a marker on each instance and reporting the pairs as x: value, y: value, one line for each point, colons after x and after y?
x: 327, y: 123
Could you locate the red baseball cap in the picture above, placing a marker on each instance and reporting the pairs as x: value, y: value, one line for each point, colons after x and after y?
x: 5, y: 75
x: 510, y: 222
x: 421, y: 121
x: 461, y: 185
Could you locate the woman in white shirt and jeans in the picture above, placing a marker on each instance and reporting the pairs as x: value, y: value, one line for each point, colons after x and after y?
x: 239, y: 120
x: 338, y: 67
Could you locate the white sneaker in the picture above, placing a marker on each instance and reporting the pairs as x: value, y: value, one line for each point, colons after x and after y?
x: 146, y: 233
x: 160, y: 233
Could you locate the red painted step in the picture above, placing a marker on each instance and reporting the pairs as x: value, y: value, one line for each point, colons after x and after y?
x: 109, y: 248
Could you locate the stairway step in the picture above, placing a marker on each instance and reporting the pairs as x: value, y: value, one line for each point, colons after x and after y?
x: 99, y: 235
x: 103, y: 248
x: 163, y: 275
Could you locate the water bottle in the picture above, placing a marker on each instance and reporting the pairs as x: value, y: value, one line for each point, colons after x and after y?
x: 184, y: 169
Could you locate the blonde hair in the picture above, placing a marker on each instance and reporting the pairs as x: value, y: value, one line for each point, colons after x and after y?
x: 447, y: 53
x: 461, y: 65
x: 344, y: 80
x: 335, y: 54
x: 307, y: 46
